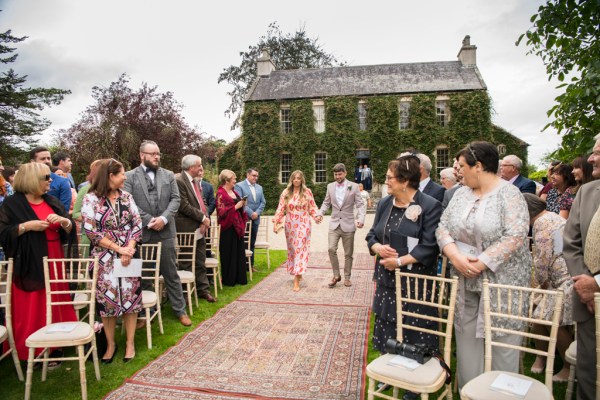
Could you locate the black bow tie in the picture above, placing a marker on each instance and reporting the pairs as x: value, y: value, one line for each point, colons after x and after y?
x: 148, y: 169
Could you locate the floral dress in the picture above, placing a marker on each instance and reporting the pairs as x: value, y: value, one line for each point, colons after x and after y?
x: 297, y: 213
x: 549, y: 265
x: 566, y: 200
x: 119, y: 223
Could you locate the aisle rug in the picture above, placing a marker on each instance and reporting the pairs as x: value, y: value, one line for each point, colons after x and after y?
x: 313, y: 289
x: 133, y: 391
x: 320, y: 259
x: 285, y: 351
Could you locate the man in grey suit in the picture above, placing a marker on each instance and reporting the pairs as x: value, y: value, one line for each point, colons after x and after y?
x: 254, y: 205
x: 578, y: 248
x: 155, y: 192
x: 342, y: 196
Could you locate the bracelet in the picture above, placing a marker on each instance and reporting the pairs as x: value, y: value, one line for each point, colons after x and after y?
x: 399, y: 262
x: 68, y: 225
x: 22, y: 228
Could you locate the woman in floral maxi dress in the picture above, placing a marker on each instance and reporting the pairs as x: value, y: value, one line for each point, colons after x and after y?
x: 297, y: 205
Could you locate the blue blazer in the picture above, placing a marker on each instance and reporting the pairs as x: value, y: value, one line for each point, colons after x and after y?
x: 525, y: 185
x: 243, y: 189
x: 208, y: 195
x: 61, y: 189
x: 435, y: 190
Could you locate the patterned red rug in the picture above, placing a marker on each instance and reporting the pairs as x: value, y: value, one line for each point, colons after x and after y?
x: 134, y: 391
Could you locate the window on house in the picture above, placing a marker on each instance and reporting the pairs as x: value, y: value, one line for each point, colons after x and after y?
x: 362, y: 115
x: 320, y: 172
x: 285, y: 116
x: 442, y: 159
x: 319, y: 113
x: 501, y: 149
x: 441, y: 111
x: 404, y: 111
x: 285, y: 168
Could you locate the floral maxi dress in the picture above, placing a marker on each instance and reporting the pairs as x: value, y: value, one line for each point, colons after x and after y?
x: 297, y: 213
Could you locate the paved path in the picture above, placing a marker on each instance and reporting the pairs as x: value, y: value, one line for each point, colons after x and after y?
x: 320, y: 231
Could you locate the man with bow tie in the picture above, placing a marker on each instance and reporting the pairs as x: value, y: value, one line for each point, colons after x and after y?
x: 193, y: 216
x: 156, y: 194
x: 342, y: 196
x: 254, y: 205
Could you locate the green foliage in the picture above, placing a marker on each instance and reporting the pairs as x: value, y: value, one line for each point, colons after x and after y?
x: 20, y: 122
x: 537, y: 175
x: 565, y: 36
x: 287, y: 51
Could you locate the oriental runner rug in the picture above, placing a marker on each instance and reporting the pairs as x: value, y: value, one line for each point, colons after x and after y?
x: 270, y: 343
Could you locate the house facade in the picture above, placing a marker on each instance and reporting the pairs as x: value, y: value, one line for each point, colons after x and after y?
x: 311, y: 119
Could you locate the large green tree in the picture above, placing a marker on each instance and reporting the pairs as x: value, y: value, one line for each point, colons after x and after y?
x: 121, y: 118
x: 565, y: 34
x: 287, y: 51
x: 20, y: 121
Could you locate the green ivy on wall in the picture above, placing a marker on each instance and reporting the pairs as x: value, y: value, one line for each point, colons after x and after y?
x: 262, y: 142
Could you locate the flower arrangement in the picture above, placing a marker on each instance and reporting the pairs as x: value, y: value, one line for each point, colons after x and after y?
x: 413, y: 212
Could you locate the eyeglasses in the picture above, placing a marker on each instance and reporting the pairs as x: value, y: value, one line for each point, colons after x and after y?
x: 45, y: 177
x: 506, y: 165
x: 152, y: 154
x: 389, y: 177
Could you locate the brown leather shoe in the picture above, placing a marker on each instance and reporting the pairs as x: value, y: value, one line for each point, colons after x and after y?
x: 185, y: 320
x: 208, y: 297
x: 334, y: 281
x: 347, y: 283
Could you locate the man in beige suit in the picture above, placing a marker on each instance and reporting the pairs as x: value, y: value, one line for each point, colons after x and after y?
x: 342, y: 196
x: 584, y: 218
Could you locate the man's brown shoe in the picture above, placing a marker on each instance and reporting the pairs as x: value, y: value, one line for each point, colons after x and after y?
x: 185, y: 320
x: 334, y: 281
x: 347, y: 283
x: 208, y: 297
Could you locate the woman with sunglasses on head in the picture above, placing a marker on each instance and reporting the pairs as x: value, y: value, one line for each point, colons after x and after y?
x: 34, y: 225
x: 483, y: 232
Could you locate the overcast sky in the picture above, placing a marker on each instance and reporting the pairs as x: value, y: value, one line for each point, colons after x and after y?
x: 182, y: 47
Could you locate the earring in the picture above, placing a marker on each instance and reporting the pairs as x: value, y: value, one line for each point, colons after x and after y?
x: 404, y: 189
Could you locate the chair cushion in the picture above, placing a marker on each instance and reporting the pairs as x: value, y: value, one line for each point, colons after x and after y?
x: 80, y: 297
x: 3, y: 333
x: 425, y: 375
x: 82, y: 333
x: 186, y: 276
x: 148, y: 298
x: 248, y: 253
x: 262, y: 245
x: 479, y: 388
x: 571, y: 353
x: 211, y: 263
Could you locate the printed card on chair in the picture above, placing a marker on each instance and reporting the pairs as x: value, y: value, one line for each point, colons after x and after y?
x: 405, y: 362
x: 62, y: 327
x: 510, y: 384
x: 133, y: 270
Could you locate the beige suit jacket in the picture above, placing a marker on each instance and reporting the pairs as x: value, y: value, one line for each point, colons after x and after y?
x: 342, y: 215
x: 584, y: 207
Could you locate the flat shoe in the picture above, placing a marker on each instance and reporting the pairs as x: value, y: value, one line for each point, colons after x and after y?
x: 559, y: 379
x: 538, y: 370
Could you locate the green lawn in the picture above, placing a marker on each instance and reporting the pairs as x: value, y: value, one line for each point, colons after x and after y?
x: 63, y: 383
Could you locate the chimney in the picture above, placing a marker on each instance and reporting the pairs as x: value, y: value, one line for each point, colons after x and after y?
x: 264, y: 66
x: 467, y: 53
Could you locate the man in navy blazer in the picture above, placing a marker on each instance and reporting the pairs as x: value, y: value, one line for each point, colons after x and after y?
x: 59, y: 187
x: 510, y: 170
x: 255, y: 204
x: 426, y: 185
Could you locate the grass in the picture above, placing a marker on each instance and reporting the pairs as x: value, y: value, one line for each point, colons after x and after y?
x: 63, y: 383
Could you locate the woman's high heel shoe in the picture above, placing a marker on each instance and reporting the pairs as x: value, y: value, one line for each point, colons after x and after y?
x: 109, y: 360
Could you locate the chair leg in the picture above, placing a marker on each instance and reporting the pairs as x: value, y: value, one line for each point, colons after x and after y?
x: 45, y: 364
x: 268, y: 259
x: 160, y: 324
x: 189, y: 295
x: 95, y: 358
x: 371, y: 389
x: 29, y: 374
x: 149, y: 327
x: 250, y: 267
x: 571, y: 382
x: 15, y: 357
x: 82, y: 374
x: 195, y: 291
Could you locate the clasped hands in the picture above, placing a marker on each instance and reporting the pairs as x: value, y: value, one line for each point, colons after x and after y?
x: 469, y: 267
x: 388, y: 257
x: 156, y: 223
x: 126, y: 254
x: 39, y: 225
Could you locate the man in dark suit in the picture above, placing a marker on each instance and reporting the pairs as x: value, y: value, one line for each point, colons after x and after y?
x: 156, y: 194
x: 254, y: 205
x: 193, y: 217
x: 510, y: 170
x: 427, y: 185
x: 208, y: 194
x: 581, y: 241
x: 59, y: 187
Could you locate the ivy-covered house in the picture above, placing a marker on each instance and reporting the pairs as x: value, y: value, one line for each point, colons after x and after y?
x: 311, y: 119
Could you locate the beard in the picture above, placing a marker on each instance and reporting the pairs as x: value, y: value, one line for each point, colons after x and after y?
x: 148, y: 163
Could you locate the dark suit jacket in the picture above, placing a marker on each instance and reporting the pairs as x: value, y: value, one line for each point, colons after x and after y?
x: 208, y: 194
x: 449, y: 193
x: 435, y: 190
x: 525, y: 185
x: 574, y: 238
x: 189, y: 216
x: 168, y: 199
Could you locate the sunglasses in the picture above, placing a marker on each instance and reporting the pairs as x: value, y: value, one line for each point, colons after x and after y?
x: 45, y: 177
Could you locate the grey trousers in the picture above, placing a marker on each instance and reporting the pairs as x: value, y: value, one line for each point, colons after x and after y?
x: 348, y: 243
x: 202, y: 286
x: 585, y: 370
x: 470, y: 350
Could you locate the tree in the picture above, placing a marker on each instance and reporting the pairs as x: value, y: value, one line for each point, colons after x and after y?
x: 287, y: 51
x: 20, y: 121
x: 122, y: 118
x: 565, y: 35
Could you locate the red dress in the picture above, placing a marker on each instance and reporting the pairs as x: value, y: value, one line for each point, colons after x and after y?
x: 29, y: 308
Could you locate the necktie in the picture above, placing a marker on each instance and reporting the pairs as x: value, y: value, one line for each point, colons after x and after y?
x: 198, y: 191
x: 591, y: 251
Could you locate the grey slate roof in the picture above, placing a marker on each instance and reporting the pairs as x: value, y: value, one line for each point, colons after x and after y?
x: 446, y: 76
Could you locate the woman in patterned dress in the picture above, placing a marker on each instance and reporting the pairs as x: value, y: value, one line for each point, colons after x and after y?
x: 297, y: 205
x: 483, y: 232
x: 112, y: 222
x: 550, y: 272
x: 561, y: 196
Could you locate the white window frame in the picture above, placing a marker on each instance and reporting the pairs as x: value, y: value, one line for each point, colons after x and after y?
x: 362, y: 115
x: 501, y: 149
x: 439, y: 162
x: 404, y: 113
x: 319, y: 114
x: 285, y: 162
x: 285, y: 119
x: 320, y: 171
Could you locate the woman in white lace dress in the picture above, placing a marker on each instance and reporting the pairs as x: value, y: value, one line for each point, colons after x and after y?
x: 483, y: 232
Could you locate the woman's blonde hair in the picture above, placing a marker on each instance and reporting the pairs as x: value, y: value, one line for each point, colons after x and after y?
x: 225, y: 176
x: 29, y: 178
x: 289, y: 190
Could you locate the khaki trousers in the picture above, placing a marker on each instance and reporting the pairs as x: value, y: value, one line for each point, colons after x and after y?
x: 348, y: 243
